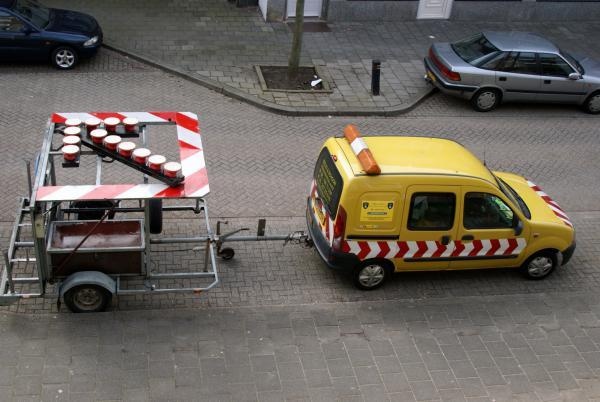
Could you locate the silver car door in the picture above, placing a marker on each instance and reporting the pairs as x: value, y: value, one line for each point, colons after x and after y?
x: 519, y: 77
x: 556, y: 86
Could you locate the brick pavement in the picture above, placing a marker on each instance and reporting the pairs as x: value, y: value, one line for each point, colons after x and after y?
x: 280, y: 325
x: 215, y: 40
x: 494, y: 348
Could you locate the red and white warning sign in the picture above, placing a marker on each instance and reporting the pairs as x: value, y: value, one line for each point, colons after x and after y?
x: 191, y: 153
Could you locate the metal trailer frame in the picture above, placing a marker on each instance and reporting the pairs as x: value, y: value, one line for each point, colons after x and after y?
x: 45, y: 205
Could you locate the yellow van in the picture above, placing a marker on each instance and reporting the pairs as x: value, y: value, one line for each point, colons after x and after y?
x: 381, y: 204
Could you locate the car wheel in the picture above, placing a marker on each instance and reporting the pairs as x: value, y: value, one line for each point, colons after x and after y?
x: 540, y: 265
x: 486, y: 99
x: 64, y: 58
x: 592, y: 103
x: 371, y: 274
x: 87, y: 299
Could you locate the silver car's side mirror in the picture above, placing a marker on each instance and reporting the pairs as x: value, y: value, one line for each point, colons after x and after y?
x: 574, y: 76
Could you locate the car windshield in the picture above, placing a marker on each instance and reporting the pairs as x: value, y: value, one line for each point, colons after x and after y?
x: 573, y: 61
x: 473, y: 49
x: 513, y: 196
x: 35, y: 12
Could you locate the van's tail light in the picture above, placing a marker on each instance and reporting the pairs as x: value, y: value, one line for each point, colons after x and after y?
x: 446, y: 72
x: 339, y: 229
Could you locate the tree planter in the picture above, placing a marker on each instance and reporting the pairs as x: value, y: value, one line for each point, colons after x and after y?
x: 274, y: 78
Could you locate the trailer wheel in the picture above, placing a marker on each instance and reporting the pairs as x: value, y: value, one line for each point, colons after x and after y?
x: 226, y: 253
x: 87, y: 299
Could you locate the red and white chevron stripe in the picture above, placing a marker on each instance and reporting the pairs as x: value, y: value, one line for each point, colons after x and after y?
x: 433, y: 249
x: 558, y: 211
x: 191, y: 156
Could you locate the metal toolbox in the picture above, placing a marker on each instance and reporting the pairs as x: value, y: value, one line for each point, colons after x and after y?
x: 111, y: 247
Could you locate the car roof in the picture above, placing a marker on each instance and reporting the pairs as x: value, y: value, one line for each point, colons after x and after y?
x: 520, y: 41
x: 414, y: 155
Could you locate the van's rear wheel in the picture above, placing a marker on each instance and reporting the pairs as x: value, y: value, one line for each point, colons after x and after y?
x: 371, y: 274
x: 540, y: 265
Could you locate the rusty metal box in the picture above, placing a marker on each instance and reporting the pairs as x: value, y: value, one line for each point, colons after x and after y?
x: 114, y: 247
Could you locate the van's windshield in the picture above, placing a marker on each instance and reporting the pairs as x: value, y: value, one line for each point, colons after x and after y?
x: 329, y: 182
x: 513, y: 196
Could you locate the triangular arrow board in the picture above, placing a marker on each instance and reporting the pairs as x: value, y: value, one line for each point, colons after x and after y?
x: 191, y: 154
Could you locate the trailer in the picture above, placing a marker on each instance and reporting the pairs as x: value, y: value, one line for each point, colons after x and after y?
x: 84, y: 242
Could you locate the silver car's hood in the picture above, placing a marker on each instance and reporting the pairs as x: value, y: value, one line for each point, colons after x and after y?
x: 591, y: 67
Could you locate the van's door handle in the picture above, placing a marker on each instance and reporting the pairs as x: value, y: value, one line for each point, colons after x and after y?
x: 445, y: 240
x: 547, y: 82
x: 502, y: 79
x: 467, y: 237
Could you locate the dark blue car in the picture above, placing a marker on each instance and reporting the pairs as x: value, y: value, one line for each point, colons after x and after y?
x: 31, y: 31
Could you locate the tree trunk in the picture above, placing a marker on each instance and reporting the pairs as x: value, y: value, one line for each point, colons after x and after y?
x: 294, y: 60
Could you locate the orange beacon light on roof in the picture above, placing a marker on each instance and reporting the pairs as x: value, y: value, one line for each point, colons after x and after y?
x: 361, y: 150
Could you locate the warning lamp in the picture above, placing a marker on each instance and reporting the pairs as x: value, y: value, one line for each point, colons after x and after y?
x: 361, y: 150
x: 70, y: 152
x: 111, y: 123
x: 126, y: 148
x: 111, y: 142
x: 98, y: 135
x: 92, y: 123
x: 140, y: 155
x: 73, y: 122
x: 72, y: 130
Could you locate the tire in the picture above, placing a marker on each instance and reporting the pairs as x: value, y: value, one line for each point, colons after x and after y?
x: 371, y: 274
x: 539, y: 265
x: 156, y: 215
x: 592, y: 103
x: 64, y: 58
x: 87, y: 299
x: 486, y: 99
x: 226, y: 253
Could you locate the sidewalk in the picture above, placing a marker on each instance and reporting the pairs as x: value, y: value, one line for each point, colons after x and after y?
x: 507, y: 348
x: 217, y: 45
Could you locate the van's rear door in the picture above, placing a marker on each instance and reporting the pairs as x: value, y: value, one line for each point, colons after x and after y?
x: 326, y: 192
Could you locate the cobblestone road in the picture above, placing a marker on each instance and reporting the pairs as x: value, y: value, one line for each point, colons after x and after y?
x: 280, y: 326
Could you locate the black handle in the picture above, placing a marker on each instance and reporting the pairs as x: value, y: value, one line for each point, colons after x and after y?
x: 547, y: 82
x: 445, y: 240
x: 502, y: 79
x: 467, y: 237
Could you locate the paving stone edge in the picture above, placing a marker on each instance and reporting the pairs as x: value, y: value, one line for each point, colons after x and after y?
x: 273, y: 107
x: 434, y: 301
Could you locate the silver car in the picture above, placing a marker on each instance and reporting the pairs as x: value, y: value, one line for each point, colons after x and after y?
x: 493, y: 67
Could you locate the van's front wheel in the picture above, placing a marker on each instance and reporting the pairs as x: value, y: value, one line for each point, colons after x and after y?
x: 540, y: 265
x: 371, y: 274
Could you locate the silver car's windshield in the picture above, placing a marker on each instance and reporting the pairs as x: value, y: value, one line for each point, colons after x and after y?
x: 38, y: 14
x: 473, y: 49
x: 572, y: 61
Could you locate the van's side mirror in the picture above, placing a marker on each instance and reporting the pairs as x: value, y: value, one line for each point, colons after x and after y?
x: 574, y: 76
x: 518, y: 225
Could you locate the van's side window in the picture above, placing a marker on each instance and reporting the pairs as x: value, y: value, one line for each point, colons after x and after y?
x: 432, y: 211
x: 486, y: 211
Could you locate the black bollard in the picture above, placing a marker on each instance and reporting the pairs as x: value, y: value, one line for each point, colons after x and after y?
x: 375, y: 74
